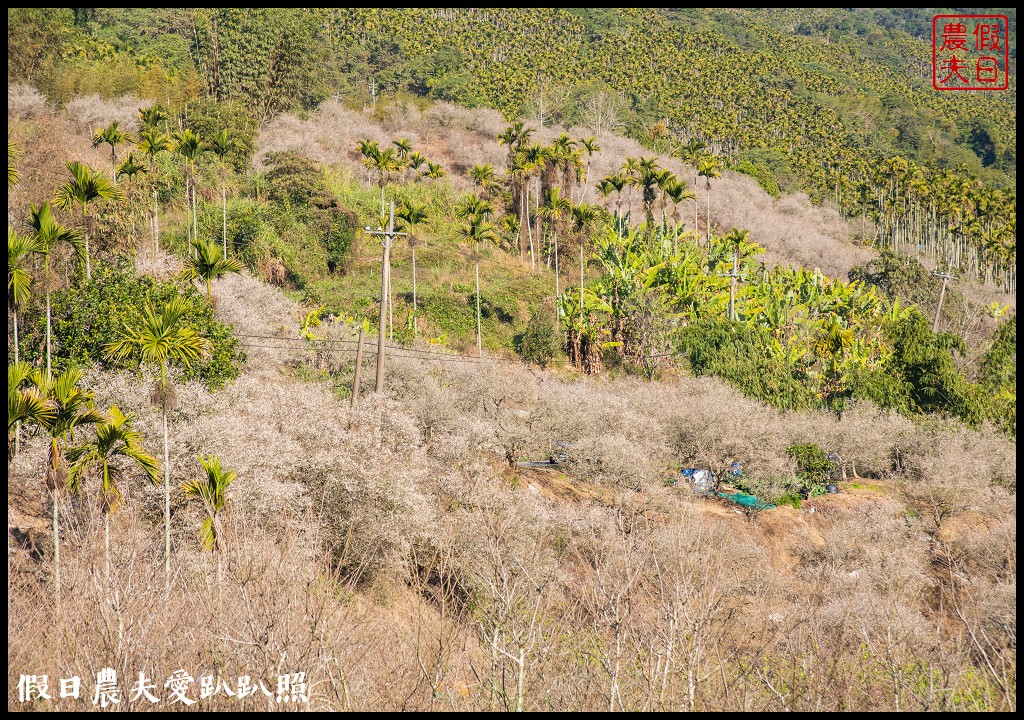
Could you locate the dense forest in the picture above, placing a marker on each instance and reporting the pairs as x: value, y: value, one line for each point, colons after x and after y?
x: 630, y: 241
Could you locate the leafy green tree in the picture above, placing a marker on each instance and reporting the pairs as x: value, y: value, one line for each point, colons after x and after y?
x: 208, y: 264
x: 369, y: 149
x: 478, y: 231
x: 163, y: 339
x: 434, y: 171
x: 116, y: 438
x: 415, y: 161
x: 677, y: 191
x: 814, y: 468
x: 85, y: 187
x: 403, y: 146
x: 271, y: 59
x: 646, y: 178
x: 384, y: 163
x: 540, y: 340
x: 924, y: 363
x: 998, y: 375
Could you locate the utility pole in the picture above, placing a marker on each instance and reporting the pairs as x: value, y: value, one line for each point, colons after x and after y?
x: 732, y: 284
x: 946, y: 277
x: 387, y: 236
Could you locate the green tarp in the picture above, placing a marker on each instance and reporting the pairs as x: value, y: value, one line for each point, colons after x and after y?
x: 745, y: 500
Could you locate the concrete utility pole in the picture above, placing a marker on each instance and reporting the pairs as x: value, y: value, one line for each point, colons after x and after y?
x: 387, y: 236
x: 732, y: 285
x: 946, y: 277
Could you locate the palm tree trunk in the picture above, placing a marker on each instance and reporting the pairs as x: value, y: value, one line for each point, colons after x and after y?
x: 556, y: 269
x: 581, y: 277
x: 224, y: 196
x: 188, y: 210
x: 85, y: 220
x: 707, y: 220
x: 529, y: 226
x: 113, y: 165
x: 479, y: 345
x: 48, y: 327
x: 56, y: 551
x: 106, y: 544
x: 414, y: 291
x: 220, y: 585
x: 519, y: 230
x: 17, y: 425
x: 156, y: 221
x: 195, y: 214
x: 167, y: 479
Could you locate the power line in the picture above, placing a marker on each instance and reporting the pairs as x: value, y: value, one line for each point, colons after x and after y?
x: 434, y: 356
x: 398, y: 350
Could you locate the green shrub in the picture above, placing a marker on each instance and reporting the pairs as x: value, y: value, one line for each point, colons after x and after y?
x: 87, y: 316
x: 739, y: 354
x: 813, y: 465
x: 765, y: 177
x: 207, y: 117
x: 541, y: 339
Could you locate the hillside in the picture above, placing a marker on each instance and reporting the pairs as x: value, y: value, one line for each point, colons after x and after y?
x: 616, y: 266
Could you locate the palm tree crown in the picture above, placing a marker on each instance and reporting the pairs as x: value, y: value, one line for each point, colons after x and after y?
x: 115, y: 438
x: 209, y: 264
x: 212, y: 490
x: 161, y: 339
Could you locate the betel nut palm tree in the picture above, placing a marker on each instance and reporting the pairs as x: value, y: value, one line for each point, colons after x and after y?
x: 209, y: 264
x: 160, y: 340
x: 50, y: 235
x: 116, y: 438
x: 84, y: 187
x: 113, y: 136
